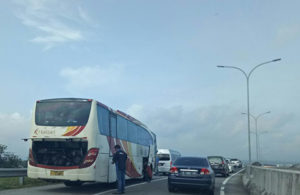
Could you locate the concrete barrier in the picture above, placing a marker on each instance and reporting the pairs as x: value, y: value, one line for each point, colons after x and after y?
x: 270, y: 181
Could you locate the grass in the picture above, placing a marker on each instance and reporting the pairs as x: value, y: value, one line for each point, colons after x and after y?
x: 13, y: 182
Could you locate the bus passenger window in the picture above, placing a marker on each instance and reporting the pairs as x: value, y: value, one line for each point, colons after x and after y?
x: 121, y: 128
x: 103, y: 120
x: 132, y: 132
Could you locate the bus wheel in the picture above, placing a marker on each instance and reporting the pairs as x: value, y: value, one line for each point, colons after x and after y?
x: 73, y: 183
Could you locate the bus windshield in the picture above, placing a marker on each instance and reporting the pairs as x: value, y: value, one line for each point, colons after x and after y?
x: 62, y: 113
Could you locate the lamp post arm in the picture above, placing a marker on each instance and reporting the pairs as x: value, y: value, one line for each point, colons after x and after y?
x: 234, y: 67
x: 261, y: 65
x: 260, y: 115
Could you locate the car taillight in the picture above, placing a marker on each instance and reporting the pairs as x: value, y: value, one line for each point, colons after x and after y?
x: 173, y: 170
x: 170, y: 163
x: 204, y: 171
x: 90, y: 157
x: 31, y: 159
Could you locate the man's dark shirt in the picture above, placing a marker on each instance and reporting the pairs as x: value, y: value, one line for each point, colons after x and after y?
x: 120, y: 158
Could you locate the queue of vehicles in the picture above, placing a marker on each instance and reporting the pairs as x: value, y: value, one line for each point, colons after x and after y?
x: 194, y: 172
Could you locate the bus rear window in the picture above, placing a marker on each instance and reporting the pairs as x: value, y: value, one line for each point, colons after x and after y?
x: 64, y: 113
x: 163, y: 157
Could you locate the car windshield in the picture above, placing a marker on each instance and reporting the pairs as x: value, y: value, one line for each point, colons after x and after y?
x: 164, y: 157
x: 64, y: 113
x: 191, y: 161
x: 216, y: 160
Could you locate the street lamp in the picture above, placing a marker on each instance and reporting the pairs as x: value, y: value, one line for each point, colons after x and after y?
x: 256, y: 133
x: 248, y: 109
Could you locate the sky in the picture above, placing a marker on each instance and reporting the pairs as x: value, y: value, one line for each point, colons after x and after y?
x: 156, y: 60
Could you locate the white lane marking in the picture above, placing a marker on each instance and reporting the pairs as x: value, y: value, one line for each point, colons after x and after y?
x: 222, y: 190
x: 113, y: 190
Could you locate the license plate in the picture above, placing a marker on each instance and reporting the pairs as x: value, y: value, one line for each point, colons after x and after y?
x: 56, y: 173
x: 161, y: 164
x: 189, y: 174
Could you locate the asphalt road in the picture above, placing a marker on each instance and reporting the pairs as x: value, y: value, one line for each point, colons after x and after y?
x: 158, y: 185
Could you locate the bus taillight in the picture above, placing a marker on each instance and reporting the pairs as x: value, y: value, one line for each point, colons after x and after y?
x: 31, y: 159
x: 90, y: 157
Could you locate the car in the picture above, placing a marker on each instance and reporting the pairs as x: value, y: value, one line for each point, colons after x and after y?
x: 236, y: 162
x: 166, y: 158
x: 219, y: 165
x: 230, y: 166
x: 194, y: 172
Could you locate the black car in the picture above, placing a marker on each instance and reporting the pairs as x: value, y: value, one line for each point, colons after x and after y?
x: 193, y: 172
x: 219, y: 165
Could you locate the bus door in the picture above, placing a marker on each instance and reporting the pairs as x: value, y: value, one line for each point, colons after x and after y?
x: 113, y: 134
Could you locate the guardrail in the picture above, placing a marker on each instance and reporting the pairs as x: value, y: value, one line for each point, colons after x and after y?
x: 14, y: 172
x: 260, y: 180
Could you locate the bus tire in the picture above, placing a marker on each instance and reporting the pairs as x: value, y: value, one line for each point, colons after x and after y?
x: 73, y: 183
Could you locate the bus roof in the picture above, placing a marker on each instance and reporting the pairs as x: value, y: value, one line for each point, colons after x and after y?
x: 118, y: 112
x: 64, y: 99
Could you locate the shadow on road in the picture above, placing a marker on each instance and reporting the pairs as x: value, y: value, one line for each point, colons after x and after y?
x: 88, y: 188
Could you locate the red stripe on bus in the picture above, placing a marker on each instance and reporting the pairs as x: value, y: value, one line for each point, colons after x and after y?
x: 79, y: 130
x: 125, y: 146
x: 71, y: 132
x: 56, y: 167
x: 130, y: 168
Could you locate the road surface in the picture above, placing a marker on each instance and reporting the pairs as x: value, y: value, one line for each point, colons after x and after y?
x: 223, y: 186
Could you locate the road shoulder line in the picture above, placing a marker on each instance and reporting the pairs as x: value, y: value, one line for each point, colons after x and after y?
x: 222, y: 190
x: 130, y: 186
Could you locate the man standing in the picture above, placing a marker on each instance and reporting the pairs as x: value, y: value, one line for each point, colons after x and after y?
x: 119, y: 159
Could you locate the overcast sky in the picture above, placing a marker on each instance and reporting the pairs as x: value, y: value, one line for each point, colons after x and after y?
x: 156, y: 60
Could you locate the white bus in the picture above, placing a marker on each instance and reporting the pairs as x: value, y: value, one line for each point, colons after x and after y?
x: 73, y: 140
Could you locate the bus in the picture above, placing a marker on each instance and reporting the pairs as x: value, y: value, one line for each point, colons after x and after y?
x: 73, y: 139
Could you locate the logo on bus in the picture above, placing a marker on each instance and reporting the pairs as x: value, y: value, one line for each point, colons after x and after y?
x: 44, y: 132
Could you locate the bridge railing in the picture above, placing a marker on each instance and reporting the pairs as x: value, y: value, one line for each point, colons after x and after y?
x: 260, y: 180
x: 14, y: 172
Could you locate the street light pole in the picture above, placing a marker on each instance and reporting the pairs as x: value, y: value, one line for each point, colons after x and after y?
x: 248, y: 101
x: 256, y: 132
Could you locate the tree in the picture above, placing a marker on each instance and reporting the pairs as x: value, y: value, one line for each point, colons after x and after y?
x: 10, y: 160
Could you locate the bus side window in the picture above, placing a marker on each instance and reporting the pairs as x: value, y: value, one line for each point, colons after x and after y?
x: 121, y: 128
x: 113, y: 126
x: 132, y: 132
x: 140, y: 135
x: 103, y: 120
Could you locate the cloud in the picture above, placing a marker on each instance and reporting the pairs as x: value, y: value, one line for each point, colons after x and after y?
x: 54, y: 22
x: 288, y: 34
x: 89, y: 77
x: 15, y: 127
x: 196, y: 131
x: 217, y: 130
